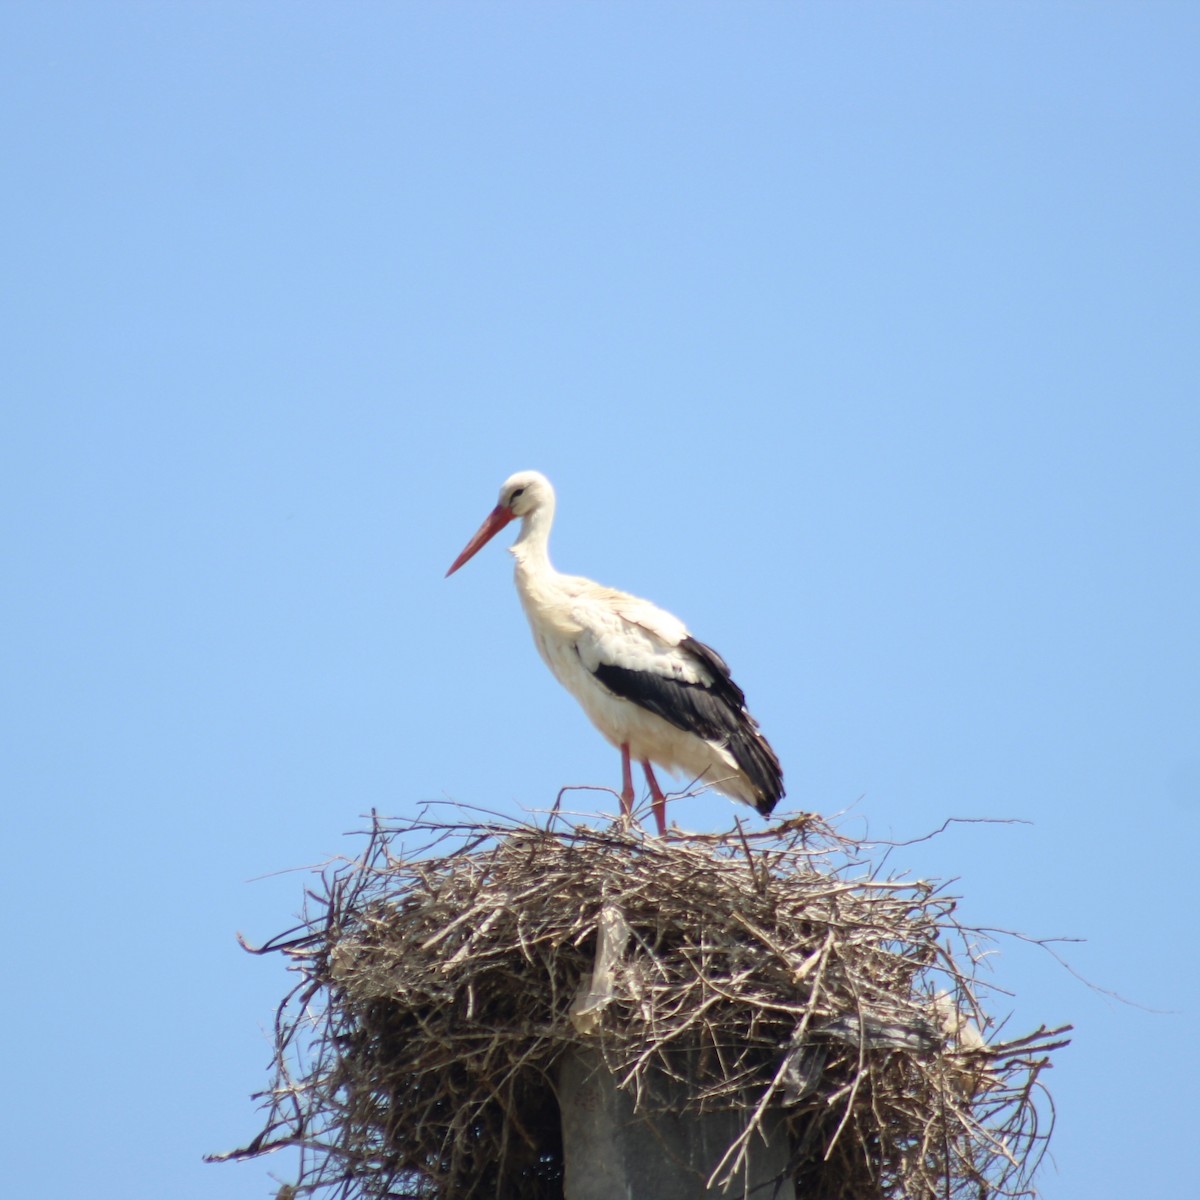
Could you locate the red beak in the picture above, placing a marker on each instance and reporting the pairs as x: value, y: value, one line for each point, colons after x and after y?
x: 496, y: 521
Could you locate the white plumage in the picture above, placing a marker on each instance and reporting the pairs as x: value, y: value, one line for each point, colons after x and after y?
x: 653, y: 690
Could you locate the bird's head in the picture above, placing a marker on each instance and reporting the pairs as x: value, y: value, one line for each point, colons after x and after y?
x: 521, y: 495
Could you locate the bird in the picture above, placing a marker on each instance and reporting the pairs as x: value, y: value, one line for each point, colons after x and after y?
x: 654, y: 691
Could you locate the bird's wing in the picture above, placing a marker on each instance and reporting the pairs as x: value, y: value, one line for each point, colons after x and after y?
x: 645, y: 655
x: 617, y: 629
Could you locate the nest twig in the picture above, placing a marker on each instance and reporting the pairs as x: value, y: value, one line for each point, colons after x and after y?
x: 443, y: 973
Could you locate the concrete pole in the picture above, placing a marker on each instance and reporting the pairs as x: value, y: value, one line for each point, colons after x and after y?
x: 612, y: 1153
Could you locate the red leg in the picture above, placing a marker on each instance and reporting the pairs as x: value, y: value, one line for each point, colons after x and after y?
x: 659, y: 801
x: 626, y: 782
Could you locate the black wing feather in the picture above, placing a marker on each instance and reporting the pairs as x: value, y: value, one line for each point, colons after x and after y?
x: 716, y: 710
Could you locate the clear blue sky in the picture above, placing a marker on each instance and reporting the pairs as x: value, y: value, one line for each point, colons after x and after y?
x: 862, y: 336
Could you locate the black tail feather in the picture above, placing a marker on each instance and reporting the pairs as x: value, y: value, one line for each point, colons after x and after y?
x: 751, y: 751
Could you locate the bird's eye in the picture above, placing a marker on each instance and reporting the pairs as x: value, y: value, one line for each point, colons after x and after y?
x: 515, y: 494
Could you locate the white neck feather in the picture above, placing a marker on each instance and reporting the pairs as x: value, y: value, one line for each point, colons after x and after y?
x: 532, y: 547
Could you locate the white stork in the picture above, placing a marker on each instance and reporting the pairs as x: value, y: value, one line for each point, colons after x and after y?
x: 652, y: 689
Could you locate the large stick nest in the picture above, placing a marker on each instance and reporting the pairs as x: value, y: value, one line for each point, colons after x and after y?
x: 443, y: 973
